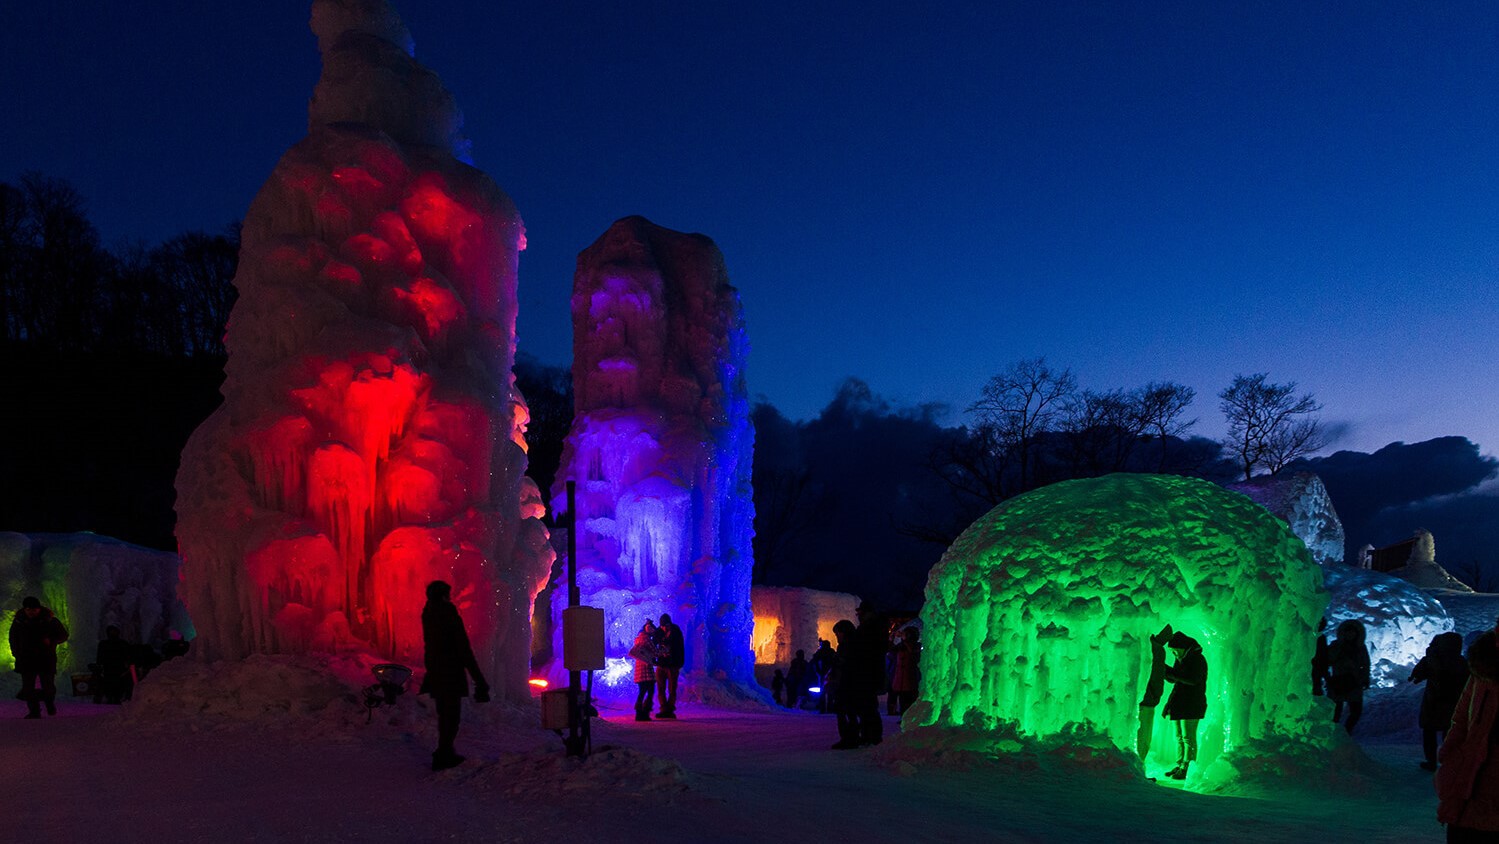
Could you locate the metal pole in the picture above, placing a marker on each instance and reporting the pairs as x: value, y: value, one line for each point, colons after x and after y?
x: 575, y: 742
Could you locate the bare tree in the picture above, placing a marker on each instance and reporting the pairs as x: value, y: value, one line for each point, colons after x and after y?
x: 1101, y: 430
x: 1162, y: 404
x: 1020, y: 403
x: 1268, y: 424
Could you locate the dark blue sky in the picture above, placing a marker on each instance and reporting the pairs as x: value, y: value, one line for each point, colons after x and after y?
x: 917, y: 196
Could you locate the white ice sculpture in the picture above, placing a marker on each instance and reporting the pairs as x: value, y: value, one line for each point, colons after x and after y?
x: 371, y: 438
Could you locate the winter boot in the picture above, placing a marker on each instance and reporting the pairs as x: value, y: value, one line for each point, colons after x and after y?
x: 445, y: 759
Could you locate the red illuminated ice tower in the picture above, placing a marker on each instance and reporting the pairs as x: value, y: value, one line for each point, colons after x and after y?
x: 371, y: 439
x: 660, y: 450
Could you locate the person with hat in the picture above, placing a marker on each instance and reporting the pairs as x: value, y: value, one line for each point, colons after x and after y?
x: 35, y: 634
x: 1188, y: 702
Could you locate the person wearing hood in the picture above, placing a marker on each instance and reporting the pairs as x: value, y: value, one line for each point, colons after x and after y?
x: 1188, y: 702
x: 35, y: 634
x: 1445, y: 673
x: 1348, y: 658
x: 1467, y: 780
x: 449, y: 660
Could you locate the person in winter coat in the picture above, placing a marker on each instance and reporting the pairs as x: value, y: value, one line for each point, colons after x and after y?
x: 1348, y: 676
x: 113, y: 659
x: 1188, y: 702
x: 1467, y: 781
x: 1445, y: 673
x: 1155, y: 686
x: 796, y: 679
x: 874, y: 640
x: 669, y: 665
x: 35, y: 634
x: 645, y: 651
x: 821, y: 664
x: 906, y: 681
x: 449, y: 660
x: 847, y: 683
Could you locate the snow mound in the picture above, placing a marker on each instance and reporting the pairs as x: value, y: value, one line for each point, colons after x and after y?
x: 1400, y: 619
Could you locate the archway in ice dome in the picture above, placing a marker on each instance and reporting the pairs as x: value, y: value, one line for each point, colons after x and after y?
x: 1039, y: 615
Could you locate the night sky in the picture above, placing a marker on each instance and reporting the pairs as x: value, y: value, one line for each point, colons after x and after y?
x: 914, y: 194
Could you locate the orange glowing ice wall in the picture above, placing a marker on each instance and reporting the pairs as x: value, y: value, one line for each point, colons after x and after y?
x: 371, y: 439
x: 660, y: 450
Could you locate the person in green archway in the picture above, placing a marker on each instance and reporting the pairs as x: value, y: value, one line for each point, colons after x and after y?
x: 1188, y: 675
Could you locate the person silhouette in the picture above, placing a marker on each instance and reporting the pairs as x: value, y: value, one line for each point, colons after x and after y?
x: 1188, y: 702
x: 35, y: 634
x: 449, y: 660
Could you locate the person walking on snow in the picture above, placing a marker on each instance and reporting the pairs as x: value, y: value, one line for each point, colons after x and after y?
x: 796, y: 679
x: 449, y: 660
x: 1348, y: 658
x: 35, y: 634
x: 1188, y: 701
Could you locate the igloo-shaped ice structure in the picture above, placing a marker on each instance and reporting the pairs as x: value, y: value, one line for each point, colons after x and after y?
x: 371, y: 439
x: 660, y: 450
x: 1037, y: 617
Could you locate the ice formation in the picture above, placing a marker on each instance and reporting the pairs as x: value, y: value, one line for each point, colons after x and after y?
x: 789, y: 619
x: 660, y: 448
x: 371, y: 438
x: 1037, y: 617
x: 90, y: 582
x: 1301, y: 500
x: 1400, y: 619
x: 1422, y: 568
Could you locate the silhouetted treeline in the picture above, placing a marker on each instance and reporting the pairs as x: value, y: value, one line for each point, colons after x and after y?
x: 61, y: 289
x: 867, y: 496
x: 111, y: 359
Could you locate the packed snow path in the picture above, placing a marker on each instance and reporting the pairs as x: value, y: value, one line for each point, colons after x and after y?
x: 709, y: 776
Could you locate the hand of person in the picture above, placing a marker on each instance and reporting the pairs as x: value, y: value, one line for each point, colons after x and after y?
x: 481, y: 694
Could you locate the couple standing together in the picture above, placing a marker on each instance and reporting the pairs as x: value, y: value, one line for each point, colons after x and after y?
x: 659, y: 655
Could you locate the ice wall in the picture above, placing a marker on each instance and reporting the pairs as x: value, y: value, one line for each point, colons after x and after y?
x: 370, y: 439
x: 90, y: 582
x: 789, y: 619
x: 1037, y: 617
x: 660, y: 448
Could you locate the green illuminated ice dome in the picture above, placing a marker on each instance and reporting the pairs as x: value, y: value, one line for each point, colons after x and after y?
x: 1037, y: 617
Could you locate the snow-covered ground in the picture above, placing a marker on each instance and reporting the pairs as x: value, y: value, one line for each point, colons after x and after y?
x: 276, y: 749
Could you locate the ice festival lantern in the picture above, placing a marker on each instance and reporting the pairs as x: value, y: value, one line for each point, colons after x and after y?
x: 1038, y: 617
x: 371, y: 439
x: 660, y: 452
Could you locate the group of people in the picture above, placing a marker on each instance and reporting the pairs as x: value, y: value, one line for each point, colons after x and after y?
x: 35, y: 634
x: 900, y: 682
x: 659, y: 653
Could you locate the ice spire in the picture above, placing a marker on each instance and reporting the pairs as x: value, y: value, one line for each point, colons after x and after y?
x: 370, y: 439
